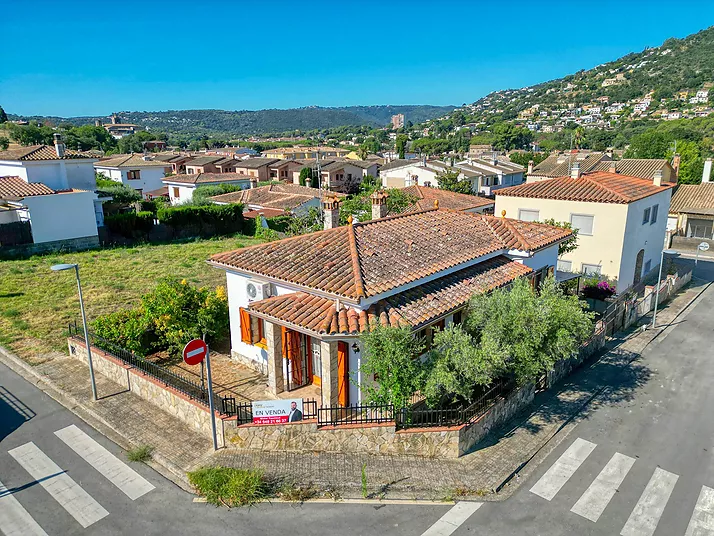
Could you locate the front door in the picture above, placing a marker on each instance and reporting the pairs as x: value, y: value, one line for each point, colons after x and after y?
x: 295, y: 351
x: 343, y: 387
x: 638, y: 266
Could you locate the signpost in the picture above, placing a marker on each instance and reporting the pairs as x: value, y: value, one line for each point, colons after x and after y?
x: 704, y: 246
x: 194, y: 353
x: 277, y: 411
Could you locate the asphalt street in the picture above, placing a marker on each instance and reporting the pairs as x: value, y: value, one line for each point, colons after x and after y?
x: 639, y: 464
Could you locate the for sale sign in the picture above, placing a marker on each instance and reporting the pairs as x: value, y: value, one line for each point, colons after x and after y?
x: 277, y: 411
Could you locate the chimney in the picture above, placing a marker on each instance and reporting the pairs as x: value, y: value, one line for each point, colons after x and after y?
x: 98, y: 123
x: 575, y: 170
x: 379, y: 204
x: 530, y: 166
x: 613, y: 167
x: 675, y: 165
x: 707, y: 173
x: 657, y: 180
x: 331, y: 208
x: 59, y: 145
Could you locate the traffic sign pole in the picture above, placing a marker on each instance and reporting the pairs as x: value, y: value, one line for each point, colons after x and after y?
x: 210, y: 399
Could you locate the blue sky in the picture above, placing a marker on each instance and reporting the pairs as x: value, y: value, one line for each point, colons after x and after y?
x: 71, y: 58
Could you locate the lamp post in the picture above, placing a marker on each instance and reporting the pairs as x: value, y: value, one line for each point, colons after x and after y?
x: 60, y: 268
x: 659, y: 281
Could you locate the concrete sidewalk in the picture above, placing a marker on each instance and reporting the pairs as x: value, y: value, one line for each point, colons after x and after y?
x: 494, y: 465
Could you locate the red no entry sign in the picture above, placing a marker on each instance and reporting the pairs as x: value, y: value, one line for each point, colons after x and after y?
x: 195, y: 352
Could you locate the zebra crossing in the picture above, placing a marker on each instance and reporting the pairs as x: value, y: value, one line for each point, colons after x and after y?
x: 645, y: 515
x: 16, y: 520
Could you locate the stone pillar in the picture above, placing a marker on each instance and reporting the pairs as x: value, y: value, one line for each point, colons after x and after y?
x: 328, y: 356
x: 379, y: 204
x: 273, y: 338
x: 331, y: 210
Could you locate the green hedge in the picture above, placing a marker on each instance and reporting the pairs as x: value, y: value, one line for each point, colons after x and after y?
x: 279, y: 223
x: 204, y: 220
x: 130, y: 224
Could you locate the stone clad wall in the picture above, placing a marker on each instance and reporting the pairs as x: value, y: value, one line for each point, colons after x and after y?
x: 180, y: 406
x: 70, y: 244
x: 374, y: 439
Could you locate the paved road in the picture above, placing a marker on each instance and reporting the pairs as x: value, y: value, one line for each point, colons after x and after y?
x: 640, y: 464
x: 63, y: 499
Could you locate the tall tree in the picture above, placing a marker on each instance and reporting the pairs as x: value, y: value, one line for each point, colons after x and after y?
x: 449, y: 180
x: 401, y: 145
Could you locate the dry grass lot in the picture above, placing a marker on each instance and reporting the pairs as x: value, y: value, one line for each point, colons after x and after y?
x: 36, y: 304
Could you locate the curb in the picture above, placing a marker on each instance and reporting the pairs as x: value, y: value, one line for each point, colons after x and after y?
x: 158, y: 462
x: 562, y: 432
x: 400, y: 502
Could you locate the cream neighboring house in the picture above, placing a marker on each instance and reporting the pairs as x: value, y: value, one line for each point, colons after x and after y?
x: 140, y: 172
x: 301, y: 153
x: 256, y: 168
x: 621, y: 220
x: 298, y: 306
x: 345, y: 176
x: 181, y: 187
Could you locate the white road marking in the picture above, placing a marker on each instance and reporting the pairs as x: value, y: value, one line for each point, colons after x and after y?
x: 593, y: 502
x: 702, y: 521
x: 116, y: 471
x: 644, y: 518
x: 564, y: 467
x: 14, y: 519
x: 59, y: 485
x: 453, y: 519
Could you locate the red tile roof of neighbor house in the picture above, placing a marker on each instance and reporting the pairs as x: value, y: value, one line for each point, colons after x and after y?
x: 279, y: 195
x: 15, y: 187
x: 206, y: 178
x: 596, y: 187
x: 414, y: 308
x: 267, y: 212
x: 452, y: 200
x: 369, y: 258
x: 693, y: 198
x: 40, y: 152
x: 129, y: 160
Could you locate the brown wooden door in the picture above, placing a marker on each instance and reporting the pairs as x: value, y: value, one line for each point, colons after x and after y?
x: 343, y: 388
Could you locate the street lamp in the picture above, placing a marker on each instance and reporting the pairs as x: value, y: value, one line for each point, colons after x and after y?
x: 61, y: 268
x: 659, y: 281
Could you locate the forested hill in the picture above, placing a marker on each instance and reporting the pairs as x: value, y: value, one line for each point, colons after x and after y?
x: 677, y: 65
x: 213, y: 122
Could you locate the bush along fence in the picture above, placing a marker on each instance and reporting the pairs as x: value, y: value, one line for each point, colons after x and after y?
x: 193, y: 390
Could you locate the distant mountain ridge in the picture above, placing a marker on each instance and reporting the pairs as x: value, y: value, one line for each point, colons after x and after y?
x: 247, y: 122
x: 663, y: 72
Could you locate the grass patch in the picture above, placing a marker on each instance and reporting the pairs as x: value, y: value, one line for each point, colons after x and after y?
x: 230, y: 487
x: 39, y: 303
x: 140, y: 454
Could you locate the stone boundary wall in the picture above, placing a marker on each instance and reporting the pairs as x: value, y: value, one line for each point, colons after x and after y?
x: 163, y: 397
x: 72, y: 244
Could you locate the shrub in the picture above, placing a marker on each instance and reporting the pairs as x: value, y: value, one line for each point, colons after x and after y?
x: 128, y: 329
x: 202, y: 193
x: 230, y: 487
x: 279, y: 223
x: 263, y: 233
x: 120, y: 194
x: 205, y: 219
x: 598, y: 291
x: 148, y: 206
x: 130, y: 224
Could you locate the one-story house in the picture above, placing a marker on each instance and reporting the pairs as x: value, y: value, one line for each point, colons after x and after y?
x: 141, y: 173
x: 298, y: 306
x: 274, y: 199
x: 181, y: 187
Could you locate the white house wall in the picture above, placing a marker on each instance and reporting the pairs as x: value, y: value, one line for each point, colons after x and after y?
x: 52, y: 173
x: 150, y: 177
x: 648, y: 237
x: 80, y: 174
x: 62, y: 216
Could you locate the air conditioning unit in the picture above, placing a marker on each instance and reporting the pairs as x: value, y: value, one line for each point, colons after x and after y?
x: 257, y: 290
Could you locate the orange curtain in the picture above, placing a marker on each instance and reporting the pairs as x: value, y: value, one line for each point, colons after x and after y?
x: 245, y: 334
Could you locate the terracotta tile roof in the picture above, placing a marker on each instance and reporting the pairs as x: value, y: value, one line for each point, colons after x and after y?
x: 280, y: 195
x: 159, y: 192
x: 636, y: 167
x: 414, y: 308
x: 205, y: 160
x: 692, y: 197
x: 129, y: 160
x: 369, y: 258
x: 558, y: 165
x: 451, y: 200
x: 16, y: 188
x: 595, y: 187
x: 206, y: 178
x: 267, y: 212
x: 40, y: 152
x: 255, y: 163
